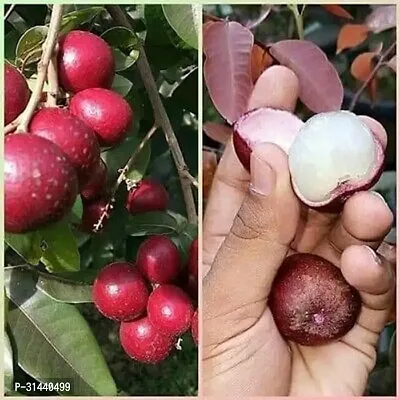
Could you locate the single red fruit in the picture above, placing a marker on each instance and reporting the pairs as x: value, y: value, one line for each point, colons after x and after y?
x: 158, y: 259
x: 149, y: 195
x: 91, y: 215
x: 120, y: 292
x: 75, y: 139
x: 311, y: 302
x: 16, y: 93
x: 144, y: 343
x: 40, y: 183
x: 192, y: 287
x: 105, y: 111
x: 195, y: 327
x: 170, y: 310
x: 96, y: 185
x: 193, y: 260
x: 85, y: 61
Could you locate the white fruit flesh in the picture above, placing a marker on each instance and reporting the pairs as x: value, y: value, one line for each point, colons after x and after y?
x: 331, y: 148
x: 267, y: 125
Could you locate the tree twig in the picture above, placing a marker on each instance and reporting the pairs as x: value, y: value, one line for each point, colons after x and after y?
x: 160, y: 115
x: 192, y: 179
x: 49, y: 44
x: 52, y: 79
x: 298, y: 17
x: 371, y: 76
x: 121, y: 178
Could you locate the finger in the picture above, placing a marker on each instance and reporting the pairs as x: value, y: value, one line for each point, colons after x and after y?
x: 373, y: 278
x: 246, y: 264
x: 366, y: 219
x: 277, y: 87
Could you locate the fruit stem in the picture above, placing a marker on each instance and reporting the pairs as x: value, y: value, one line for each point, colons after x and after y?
x: 52, y: 79
x: 122, y: 178
x: 161, y: 116
x: 298, y: 17
x: 372, y: 74
x: 49, y: 44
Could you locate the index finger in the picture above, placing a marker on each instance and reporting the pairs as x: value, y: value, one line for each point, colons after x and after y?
x: 278, y: 88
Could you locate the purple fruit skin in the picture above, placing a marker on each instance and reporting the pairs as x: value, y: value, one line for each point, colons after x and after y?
x: 311, y: 302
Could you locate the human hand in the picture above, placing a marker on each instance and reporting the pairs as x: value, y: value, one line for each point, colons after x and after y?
x: 251, y: 223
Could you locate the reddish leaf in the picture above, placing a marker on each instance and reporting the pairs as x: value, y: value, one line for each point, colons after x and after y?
x: 392, y: 63
x: 209, y: 167
x: 381, y: 19
x: 351, y: 36
x: 227, y: 69
x: 218, y: 132
x: 260, y: 61
x: 337, y: 10
x: 320, y: 86
x: 362, y: 66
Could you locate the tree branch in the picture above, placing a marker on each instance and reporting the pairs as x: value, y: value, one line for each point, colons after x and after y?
x: 371, y: 76
x: 122, y: 178
x: 48, y: 49
x: 52, y: 79
x: 160, y: 116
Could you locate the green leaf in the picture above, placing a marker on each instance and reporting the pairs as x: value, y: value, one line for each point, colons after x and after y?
x: 184, y: 19
x: 53, y: 340
x: 33, y: 14
x: 392, y: 350
x: 61, y: 251
x: 11, y: 39
x: 121, y: 85
x: 8, y: 364
x: 64, y: 290
x: 152, y: 223
x: 125, y: 46
x: 27, y: 245
x: 117, y: 157
x: 75, y: 215
x: 80, y: 17
x: 29, y: 46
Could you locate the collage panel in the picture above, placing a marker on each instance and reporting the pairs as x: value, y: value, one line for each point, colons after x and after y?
x: 101, y: 199
x: 299, y: 193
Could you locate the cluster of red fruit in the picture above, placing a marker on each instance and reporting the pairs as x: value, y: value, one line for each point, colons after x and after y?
x: 59, y: 156
x: 151, y: 320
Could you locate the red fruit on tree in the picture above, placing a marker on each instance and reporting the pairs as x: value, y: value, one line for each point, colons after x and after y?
x: 40, y: 183
x: 96, y: 185
x: 120, y: 292
x: 85, y: 61
x: 16, y: 93
x: 144, y: 343
x: 170, y: 310
x: 149, y: 195
x: 105, y: 111
x: 91, y: 215
x: 195, y: 327
x: 158, y: 259
x: 192, y: 286
x: 75, y: 139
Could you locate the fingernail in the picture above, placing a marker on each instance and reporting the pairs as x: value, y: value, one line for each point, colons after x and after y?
x: 379, y: 195
x: 374, y: 255
x: 263, y: 177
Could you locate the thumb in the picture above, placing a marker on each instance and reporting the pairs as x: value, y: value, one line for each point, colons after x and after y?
x: 246, y: 264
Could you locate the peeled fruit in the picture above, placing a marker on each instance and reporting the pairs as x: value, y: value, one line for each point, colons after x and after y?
x: 144, y: 343
x: 264, y: 125
x: 170, y: 310
x: 76, y: 140
x: 311, y: 302
x: 96, y: 185
x: 120, y: 292
x: 149, y: 195
x: 40, y: 183
x: 16, y: 93
x: 92, y: 213
x: 158, y: 259
x: 85, y: 61
x: 334, y: 155
x: 195, y: 327
x: 105, y: 111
